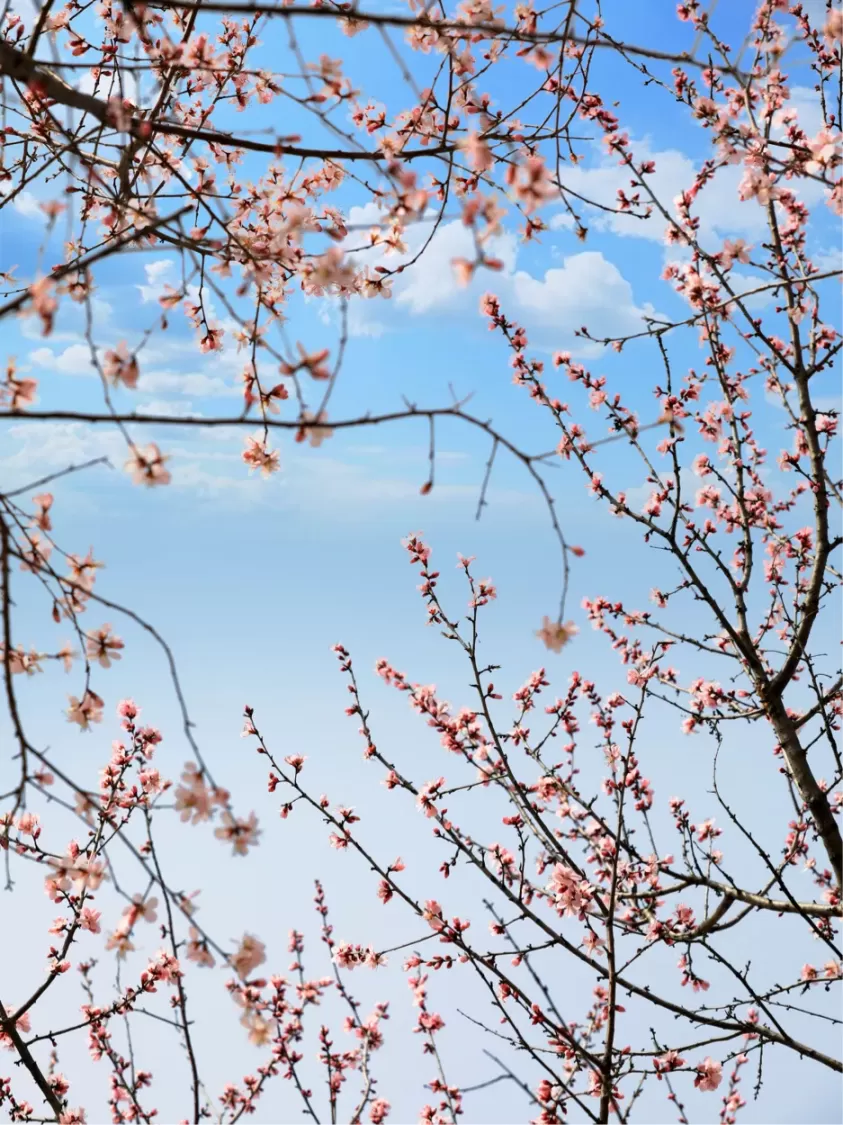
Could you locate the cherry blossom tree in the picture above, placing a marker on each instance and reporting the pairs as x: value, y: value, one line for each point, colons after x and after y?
x: 628, y: 950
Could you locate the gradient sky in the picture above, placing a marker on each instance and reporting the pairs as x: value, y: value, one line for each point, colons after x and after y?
x: 252, y: 581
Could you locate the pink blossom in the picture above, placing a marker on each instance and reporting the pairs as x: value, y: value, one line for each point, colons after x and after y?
x: 258, y: 456
x: 378, y: 1111
x: 313, y: 428
x: 103, y: 646
x: 242, y: 834
x: 571, y: 894
x: 709, y: 1075
x: 120, y: 366
x: 85, y: 711
x: 147, y: 466
x: 555, y: 635
x: 250, y: 953
x: 89, y: 919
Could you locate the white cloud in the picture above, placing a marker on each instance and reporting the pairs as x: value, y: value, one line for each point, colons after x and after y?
x: 194, y: 383
x: 721, y: 212
x: 586, y: 289
x: 44, y: 447
x: 169, y: 408
x: 717, y: 205
x: 309, y: 481
x: 431, y: 286
x: 130, y: 88
x: 806, y: 102
x: 360, y: 321
x: 162, y: 379
x: 27, y: 205
x: 74, y: 360
x: 158, y: 274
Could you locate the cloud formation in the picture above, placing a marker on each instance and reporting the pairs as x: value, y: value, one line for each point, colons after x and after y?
x: 585, y: 289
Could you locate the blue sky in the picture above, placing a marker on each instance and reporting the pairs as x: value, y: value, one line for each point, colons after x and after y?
x: 252, y: 581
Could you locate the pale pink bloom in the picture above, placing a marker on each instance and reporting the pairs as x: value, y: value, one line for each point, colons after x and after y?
x: 197, y: 950
x: 23, y: 1025
x: 212, y: 340
x: 433, y: 915
x: 701, y: 465
x: 103, y: 646
x: 37, y: 554
x: 707, y: 692
x: 758, y: 185
x: 707, y: 831
x: 89, y: 919
x: 194, y: 800
x: 313, y: 430
x: 27, y: 825
x: 431, y: 1021
x: 709, y: 1075
x: 595, y: 1084
x: 142, y: 908
x: 260, y: 1029
x: 151, y: 782
x: 85, y: 711
x: 169, y: 298
x: 147, y: 466
x: 17, y: 393
x: 58, y: 1084
x: 555, y: 635
x: 21, y: 661
x: 463, y: 270
x: 44, y: 500
x: 427, y: 796
x: 85, y: 807
x: 350, y: 28
x: 73, y: 869
x: 87, y: 874
x: 165, y: 968
x: 44, y: 303
x: 592, y: 943
x: 737, y: 251
x: 833, y: 30
x: 242, y: 834
x: 250, y: 954
x: 313, y: 361
x: 128, y: 709
x: 378, y: 1111
x: 83, y: 572
x: 120, y: 942
x: 258, y: 456
x: 344, y: 955
x: 54, y: 23
x: 670, y: 1060
x: 825, y: 147
x: 328, y: 273
x: 478, y: 152
x: 119, y: 366
x: 708, y: 497
x: 531, y: 182
x: 569, y: 893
